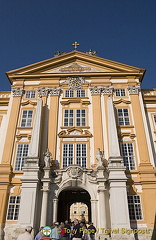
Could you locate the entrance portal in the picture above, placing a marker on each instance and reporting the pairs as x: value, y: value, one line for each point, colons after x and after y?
x: 67, y: 198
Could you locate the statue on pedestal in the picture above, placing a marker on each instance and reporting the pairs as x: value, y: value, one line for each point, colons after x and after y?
x: 47, y: 158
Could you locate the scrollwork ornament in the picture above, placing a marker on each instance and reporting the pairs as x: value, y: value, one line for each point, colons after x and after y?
x: 75, y: 82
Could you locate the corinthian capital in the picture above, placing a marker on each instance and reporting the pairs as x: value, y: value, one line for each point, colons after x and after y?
x: 42, y: 92
x: 17, y: 92
x: 107, y: 90
x: 133, y: 89
x: 95, y: 90
x: 55, y: 91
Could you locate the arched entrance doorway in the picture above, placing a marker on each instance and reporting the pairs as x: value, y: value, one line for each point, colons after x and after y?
x: 67, y: 198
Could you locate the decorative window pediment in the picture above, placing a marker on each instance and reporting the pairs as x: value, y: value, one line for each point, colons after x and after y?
x: 28, y: 102
x: 74, y: 132
x: 122, y: 101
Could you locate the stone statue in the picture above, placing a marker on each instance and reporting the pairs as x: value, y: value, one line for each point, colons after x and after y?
x: 47, y: 158
x: 101, y: 158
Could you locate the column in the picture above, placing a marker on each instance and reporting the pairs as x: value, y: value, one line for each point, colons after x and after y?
x: 5, y: 168
x: 53, y: 120
x: 55, y: 207
x: 30, y: 180
x: 97, y: 118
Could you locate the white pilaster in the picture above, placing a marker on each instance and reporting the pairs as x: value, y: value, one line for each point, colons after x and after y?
x: 113, y: 137
x: 117, y: 178
x: 30, y: 181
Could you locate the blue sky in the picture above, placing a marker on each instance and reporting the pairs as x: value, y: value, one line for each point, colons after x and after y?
x: 120, y: 30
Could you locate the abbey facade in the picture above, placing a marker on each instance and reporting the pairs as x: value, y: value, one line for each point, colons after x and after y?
x: 78, y: 128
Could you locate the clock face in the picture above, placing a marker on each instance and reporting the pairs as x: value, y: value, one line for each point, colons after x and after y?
x: 75, y: 82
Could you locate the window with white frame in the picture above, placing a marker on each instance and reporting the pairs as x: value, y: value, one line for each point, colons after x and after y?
x: 81, y: 154
x: 69, y: 93
x: 120, y: 92
x: 128, y: 155
x: 154, y: 116
x: 22, y: 152
x: 30, y: 94
x: 80, y: 117
x: 123, y: 117
x: 80, y: 93
x: 26, y: 118
x: 74, y: 117
x: 134, y: 205
x: 68, y: 117
x: 13, y: 208
x: 74, y: 154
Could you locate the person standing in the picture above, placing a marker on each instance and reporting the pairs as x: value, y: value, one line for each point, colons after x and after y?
x: 39, y: 234
x: 68, y: 229
x: 77, y: 230
x: 55, y: 233
x: 92, y: 230
x: 27, y: 235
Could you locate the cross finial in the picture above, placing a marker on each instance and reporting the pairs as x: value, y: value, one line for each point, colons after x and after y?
x: 75, y: 44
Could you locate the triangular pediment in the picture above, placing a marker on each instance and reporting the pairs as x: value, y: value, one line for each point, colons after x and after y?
x: 74, y: 63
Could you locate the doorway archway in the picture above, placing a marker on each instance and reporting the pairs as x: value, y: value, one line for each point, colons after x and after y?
x: 67, y: 198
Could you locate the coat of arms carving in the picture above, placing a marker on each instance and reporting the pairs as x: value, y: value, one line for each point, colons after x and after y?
x: 74, y: 172
x: 75, y: 82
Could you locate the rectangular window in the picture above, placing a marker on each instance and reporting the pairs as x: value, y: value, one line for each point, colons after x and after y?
x: 134, y: 205
x: 154, y: 119
x: 68, y: 117
x: 80, y: 93
x: 13, y: 208
x: 123, y: 117
x: 81, y: 154
x: 69, y: 93
x: 80, y: 117
x: 120, y: 92
x: 26, y: 118
x: 30, y: 94
x: 69, y: 150
x: 68, y: 155
x: 22, y: 152
x: 128, y: 155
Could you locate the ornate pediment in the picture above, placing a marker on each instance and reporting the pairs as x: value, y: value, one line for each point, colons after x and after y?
x: 74, y: 132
